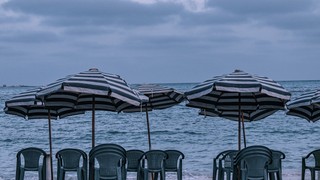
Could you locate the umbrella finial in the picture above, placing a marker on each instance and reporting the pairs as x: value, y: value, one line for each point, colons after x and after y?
x: 93, y: 69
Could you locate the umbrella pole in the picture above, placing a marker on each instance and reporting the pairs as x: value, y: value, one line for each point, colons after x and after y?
x: 239, y: 133
x: 239, y: 125
x: 93, y: 121
x: 148, y: 126
x: 50, y: 144
x: 243, y: 132
x: 149, y: 139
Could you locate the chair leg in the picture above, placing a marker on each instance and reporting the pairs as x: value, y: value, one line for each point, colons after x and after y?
x: 17, y: 173
x: 41, y: 177
x: 163, y: 175
x: 313, y: 173
x: 145, y: 175
x: 302, y: 174
x: 279, y: 176
x: 271, y: 176
x: 220, y: 175
x: 155, y: 175
x: 228, y: 175
x: 21, y: 174
x: 214, y: 172
x: 79, y: 174
x: 179, y: 174
x: 63, y: 175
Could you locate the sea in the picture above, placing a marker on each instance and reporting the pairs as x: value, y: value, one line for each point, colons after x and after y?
x: 179, y: 127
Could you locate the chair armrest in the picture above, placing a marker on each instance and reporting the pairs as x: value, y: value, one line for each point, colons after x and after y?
x: 304, y: 161
x: 142, y: 163
x: 179, y: 164
x: 214, y: 163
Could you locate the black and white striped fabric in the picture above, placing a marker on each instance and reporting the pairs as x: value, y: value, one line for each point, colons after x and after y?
x: 238, y: 90
x: 26, y: 105
x: 160, y: 97
x: 247, y: 116
x: 306, y: 106
x: 108, y: 90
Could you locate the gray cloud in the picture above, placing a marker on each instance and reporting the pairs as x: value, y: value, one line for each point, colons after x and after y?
x: 28, y: 37
x: 263, y: 7
x: 101, y: 12
x: 159, y: 39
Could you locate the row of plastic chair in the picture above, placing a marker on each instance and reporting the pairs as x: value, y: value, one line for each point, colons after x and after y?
x: 106, y: 161
x: 153, y: 162
x: 254, y: 162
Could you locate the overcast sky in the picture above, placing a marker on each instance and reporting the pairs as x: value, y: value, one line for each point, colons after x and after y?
x: 158, y: 41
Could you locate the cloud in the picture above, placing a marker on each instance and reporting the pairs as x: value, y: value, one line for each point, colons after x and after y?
x: 262, y: 7
x: 157, y: 36
x: 100, y: 12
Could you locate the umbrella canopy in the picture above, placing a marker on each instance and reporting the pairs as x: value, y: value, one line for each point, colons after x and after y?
x: 27, y: 106
x: 247, y: 116
x: 306, y: 106
x: 90, y: 90
x: 238, y: 92
x: 160, y: 97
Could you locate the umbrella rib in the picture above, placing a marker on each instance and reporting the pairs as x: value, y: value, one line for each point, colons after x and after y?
x: 255, y: 99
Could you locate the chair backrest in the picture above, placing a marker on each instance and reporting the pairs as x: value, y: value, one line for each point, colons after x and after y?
x: 109, y: 158
x: 108, y: 162
x: 217, y: 160
x: 69, y: 158
x: 32, y: 157
x: 276, y: 163
x: 254, y: 161
x: 133, y: 158
x: 316, y: 155
x: 174, y: 160
x: 227, y: 160
x: 155, y: 159
x: 108, y: 146
x: 220, y: 155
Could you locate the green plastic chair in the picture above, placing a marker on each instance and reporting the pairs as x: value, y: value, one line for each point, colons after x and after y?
x: 34, y: 160
x: 69, y: 161
x: 216, y: 164
x: 133, y: 161
x: 316, y: 167
x: 252, y: 163
x: 107, y: 161
x: 275, y: 168
x: 152, y: 162
x: 174, y: 162
x: 226, y: 163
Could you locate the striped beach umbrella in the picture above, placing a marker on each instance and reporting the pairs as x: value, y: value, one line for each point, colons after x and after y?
x: 90, y: 90
x: 306, y: 106
x: 27, y: 106
x: 160, y: 97
x: 238, y: 92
